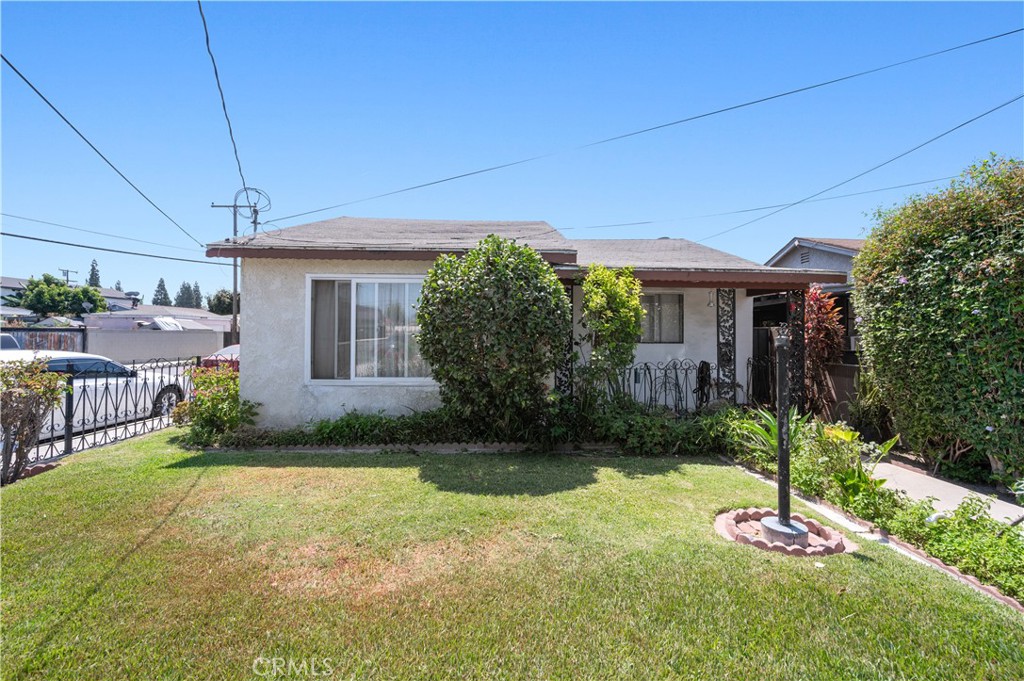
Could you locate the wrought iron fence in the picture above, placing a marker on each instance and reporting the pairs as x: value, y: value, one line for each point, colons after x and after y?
x: 682, y: 386
x: 108, y: 402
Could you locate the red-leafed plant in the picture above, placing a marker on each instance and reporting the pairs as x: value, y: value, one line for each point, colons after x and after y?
x: 823, y: 341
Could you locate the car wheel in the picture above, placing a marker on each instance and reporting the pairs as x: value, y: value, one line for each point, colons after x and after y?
x: 166, y: 400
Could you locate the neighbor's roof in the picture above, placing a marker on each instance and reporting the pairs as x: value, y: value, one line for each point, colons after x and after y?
x: 161, y: 311
x: 850, y: 247
x: 848, y: 244
x: 683, y: 262
x: 20, y: 283
x: 390, y: 239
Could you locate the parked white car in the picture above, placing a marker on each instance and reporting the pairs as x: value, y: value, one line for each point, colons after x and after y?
x: 106, y: 393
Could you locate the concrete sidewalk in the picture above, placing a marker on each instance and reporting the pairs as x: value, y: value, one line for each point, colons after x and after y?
x: 947, y: 495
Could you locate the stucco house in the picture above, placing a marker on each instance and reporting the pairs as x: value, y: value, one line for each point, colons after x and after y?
x: 330, y: 319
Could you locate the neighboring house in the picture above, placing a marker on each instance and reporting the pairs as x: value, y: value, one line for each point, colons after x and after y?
x: 816, y: 253
x: 330, y: 317
x: 8, y: 313
x: 116, y: 300
x: 156, y: 331
x: 140, y: 315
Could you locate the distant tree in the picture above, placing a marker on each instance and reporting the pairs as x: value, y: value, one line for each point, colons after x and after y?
x: 184, y: 297
x: 52, y: 296
x: 46, y: 296
x: 78, y: 296
x: 197, y: 296
x: 117, y: 286
x: 160, y: 295
x: 94, y: 275
x: 220, y: 302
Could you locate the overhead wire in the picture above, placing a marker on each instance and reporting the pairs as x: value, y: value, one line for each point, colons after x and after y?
x: 98, y: 152
x: 113, y: 250
x: 223, y: 102
x: 754, y: 210
x: 92, y: 231
x: 657, y: 127
x: 869, y: 170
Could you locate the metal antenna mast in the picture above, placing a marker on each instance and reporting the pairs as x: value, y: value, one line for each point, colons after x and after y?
x: 249, y: 210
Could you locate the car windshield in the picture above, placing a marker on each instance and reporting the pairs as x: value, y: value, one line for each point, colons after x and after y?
x: 87, y: 367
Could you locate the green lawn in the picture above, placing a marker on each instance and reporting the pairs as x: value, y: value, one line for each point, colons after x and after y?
x: 145, y: 561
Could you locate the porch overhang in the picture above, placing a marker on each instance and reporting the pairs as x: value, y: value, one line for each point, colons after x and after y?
x: 758, y: 281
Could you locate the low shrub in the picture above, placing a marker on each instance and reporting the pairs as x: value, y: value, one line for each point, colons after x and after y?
x: 977, y: 544
x: 27, y: 394
x: 215, y: 408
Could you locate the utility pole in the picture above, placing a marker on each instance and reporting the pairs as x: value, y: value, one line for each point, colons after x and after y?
x: 255, y: 210
x: 67, y: 275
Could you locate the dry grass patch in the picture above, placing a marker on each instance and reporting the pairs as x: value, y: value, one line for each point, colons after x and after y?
x: 332, y: 570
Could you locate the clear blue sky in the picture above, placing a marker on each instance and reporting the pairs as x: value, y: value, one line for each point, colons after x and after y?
x: 333, y: 102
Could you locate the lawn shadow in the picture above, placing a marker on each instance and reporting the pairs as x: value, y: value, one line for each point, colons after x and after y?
x: 488, y: 474
x: 100, y: 583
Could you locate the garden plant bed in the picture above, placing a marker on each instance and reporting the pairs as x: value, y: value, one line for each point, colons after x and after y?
x: 743, y: 526
x: 871, y: 531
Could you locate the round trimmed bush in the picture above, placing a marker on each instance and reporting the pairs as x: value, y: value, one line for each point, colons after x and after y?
x: 494, y: 324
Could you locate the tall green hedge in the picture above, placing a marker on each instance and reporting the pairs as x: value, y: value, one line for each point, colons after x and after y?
x: 940, y: 296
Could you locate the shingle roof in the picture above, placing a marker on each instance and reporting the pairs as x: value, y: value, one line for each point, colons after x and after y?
x: 675, y: 262
x: 680, y: 262
x: 658, y: 254
x: 387, y: 235
x: 850, y: 244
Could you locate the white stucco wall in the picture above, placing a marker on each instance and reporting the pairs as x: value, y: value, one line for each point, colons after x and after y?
x: 273, y: 352
x: 700, y: 331
x: 130, y: 345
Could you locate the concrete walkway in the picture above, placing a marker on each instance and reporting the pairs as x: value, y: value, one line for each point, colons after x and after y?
x: 947, y: 495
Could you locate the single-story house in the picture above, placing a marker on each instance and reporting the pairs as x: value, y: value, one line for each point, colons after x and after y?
x: 330, y: 318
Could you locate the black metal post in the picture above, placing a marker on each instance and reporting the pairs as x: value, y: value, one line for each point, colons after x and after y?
x: 69, y: 414
x: 782, y: 409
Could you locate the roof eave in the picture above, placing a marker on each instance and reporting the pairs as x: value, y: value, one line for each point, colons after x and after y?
x: 312, y: 253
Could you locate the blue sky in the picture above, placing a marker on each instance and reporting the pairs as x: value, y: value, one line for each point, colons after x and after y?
x: 333, y: 102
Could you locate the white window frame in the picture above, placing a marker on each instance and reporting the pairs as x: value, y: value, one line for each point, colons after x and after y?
x: 308, y: 332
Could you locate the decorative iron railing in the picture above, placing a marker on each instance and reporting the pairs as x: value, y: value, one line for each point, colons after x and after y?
x: 108, y: 402
x: 679, y: 385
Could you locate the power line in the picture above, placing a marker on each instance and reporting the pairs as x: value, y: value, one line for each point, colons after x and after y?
x: 869, y: 170
x: 759, y: 208
x: 90, y: 231
x: 658, y: 127
x: 114, y: 250
x: 98, y: 152
x: 223, y: 102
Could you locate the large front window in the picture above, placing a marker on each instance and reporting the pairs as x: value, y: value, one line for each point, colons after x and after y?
x: 364, y: 329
